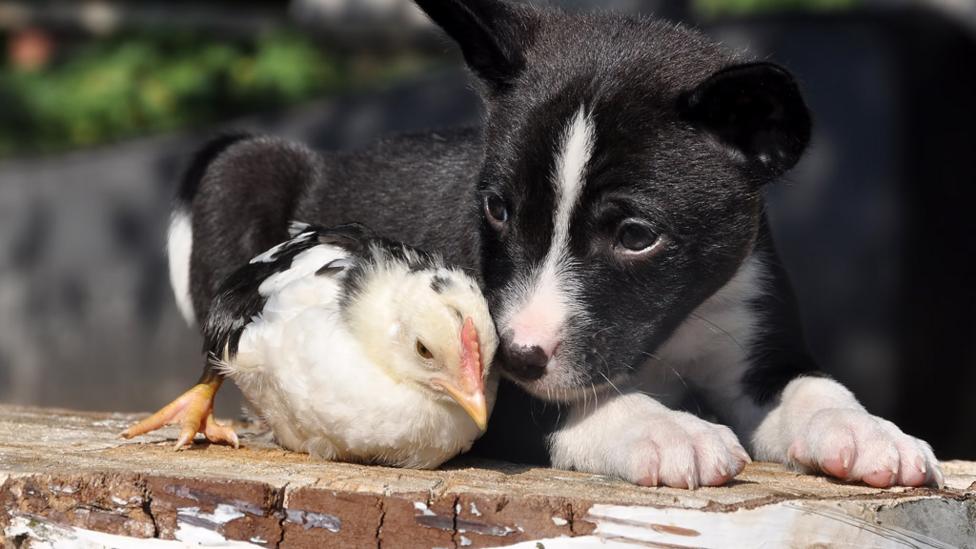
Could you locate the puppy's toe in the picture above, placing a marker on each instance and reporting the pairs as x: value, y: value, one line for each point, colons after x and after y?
x: 854, y: 445
x: 683, y: 451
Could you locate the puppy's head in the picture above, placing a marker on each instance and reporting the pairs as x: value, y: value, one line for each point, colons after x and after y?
x: 624, y: 162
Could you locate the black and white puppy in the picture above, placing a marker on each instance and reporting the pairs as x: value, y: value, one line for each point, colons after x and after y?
x: 612, y: 205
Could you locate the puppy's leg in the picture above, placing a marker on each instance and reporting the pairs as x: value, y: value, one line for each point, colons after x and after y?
x: 818, y: 424
x: 751, y: 367
x: 634, y: 437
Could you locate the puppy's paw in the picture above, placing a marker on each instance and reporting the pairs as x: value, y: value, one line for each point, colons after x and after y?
x: 854, y: 445
x: 680, y: 450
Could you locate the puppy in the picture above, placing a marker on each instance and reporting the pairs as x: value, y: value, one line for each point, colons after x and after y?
x: 612, y: 206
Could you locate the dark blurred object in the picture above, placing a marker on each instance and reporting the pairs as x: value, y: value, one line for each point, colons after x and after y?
x: 102, y: 17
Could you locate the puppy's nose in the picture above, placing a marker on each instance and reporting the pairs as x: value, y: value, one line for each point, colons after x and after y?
x: 526, y: 363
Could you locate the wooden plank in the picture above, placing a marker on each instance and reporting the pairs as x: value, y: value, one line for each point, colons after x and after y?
x: 66, y: 476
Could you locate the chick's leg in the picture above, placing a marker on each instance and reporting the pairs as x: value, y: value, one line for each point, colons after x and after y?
x: 193, y: 410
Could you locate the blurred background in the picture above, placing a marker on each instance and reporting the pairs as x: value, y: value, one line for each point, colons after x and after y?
x: 101, y: 102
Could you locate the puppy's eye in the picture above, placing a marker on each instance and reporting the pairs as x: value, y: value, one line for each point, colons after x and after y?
x: 496, y: 210
x: 637, y: 238
x: 423, y: 351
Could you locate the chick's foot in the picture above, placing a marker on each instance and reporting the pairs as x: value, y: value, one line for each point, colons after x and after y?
x: 193, y: 410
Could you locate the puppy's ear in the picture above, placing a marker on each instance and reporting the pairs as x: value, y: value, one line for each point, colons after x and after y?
x: 756, y: 111
x: 492, y: 34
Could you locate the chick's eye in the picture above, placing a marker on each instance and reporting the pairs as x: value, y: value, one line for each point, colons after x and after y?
x: 496, y: 209
x: 633, y: 237
x: 423, y: 351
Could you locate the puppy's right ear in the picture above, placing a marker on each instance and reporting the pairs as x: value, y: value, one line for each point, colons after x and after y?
x: 756, y: 111
x: 493, y: 35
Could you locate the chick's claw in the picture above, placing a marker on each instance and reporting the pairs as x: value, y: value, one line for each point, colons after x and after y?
x: 193, y: 410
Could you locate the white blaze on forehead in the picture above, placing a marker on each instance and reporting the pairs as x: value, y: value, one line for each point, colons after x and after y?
x: 537, y: 313
x: 569, y: 178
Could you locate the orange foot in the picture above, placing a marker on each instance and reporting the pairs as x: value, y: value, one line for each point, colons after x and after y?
x: 193, y: 410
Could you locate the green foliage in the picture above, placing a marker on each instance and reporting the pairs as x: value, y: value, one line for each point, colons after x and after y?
x: 135, y: 85
x: 711, y: 8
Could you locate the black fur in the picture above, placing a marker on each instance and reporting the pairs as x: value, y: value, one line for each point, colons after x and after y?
x: 200, y: 163
x: 757, y: 110
x: 687, y: 135
x: 244, y: 203
x: 781, y: 355
x: 492, y: 35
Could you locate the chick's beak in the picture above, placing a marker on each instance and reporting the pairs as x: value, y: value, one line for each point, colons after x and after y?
x: 468, y: 390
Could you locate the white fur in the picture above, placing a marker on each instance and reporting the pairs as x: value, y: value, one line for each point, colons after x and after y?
x: 634, y: 437
x: 540, y: 319
x: 321, y: 392
x: 722, y: 327
x: 638, y: 438
x: 710, y: 349
x: 538, y: 308
x: 819, y: 425
x: 570, y: 174
x: 179, y: 245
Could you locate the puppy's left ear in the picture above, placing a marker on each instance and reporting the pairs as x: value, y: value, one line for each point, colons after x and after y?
x: 756, y: 111
x: 492, y: 34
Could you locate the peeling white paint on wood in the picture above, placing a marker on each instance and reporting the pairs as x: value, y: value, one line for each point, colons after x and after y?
x: 839, y: 523
x: 222, y: 514
x: 581, y: 542
x: 196, y: 536
x: 46, y: 535
x: 784, y: 524
x: 309, y: 520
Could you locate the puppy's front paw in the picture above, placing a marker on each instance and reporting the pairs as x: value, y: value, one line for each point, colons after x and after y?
x: 854, y: 445
x: 680, y: 450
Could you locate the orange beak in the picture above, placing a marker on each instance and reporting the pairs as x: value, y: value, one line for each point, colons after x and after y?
x: 469, y: 390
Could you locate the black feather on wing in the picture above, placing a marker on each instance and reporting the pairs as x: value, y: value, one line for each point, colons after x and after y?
x: 238, y: 300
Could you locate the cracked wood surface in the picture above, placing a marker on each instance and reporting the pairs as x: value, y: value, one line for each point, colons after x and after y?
x: 67, y: 475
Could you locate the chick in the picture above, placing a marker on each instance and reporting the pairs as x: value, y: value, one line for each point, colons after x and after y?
x: 351, y: 347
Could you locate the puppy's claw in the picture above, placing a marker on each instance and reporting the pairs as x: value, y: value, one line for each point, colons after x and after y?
x: 846, y: 457
x: 920, y: 465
